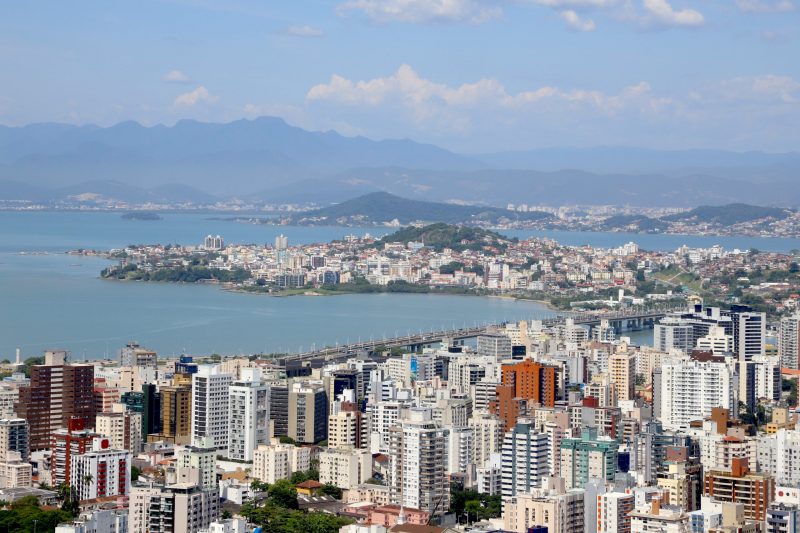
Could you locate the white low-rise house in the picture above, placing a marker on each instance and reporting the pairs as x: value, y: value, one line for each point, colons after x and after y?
x: 229, y: 525
x: 234, y: 490
x: 97, y: 521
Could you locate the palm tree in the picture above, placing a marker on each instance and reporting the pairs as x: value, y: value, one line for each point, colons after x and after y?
x: 87, y: 479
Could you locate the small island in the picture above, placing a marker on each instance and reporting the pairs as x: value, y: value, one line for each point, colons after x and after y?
x: 141, y: 215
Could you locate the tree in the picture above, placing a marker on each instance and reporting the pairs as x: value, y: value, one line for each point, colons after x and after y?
x: 259, y: 486
x: 472, y: 508
x: 69, y: 500
x: 25, y: 512
x: 135, y: 472
x: 330, y: 489
x: 298, y: 477
x: 283, y: 494
x: 225, y: 514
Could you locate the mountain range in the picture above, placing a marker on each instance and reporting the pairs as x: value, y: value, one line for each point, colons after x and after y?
x: 382, y: 207
x: 267, y: 160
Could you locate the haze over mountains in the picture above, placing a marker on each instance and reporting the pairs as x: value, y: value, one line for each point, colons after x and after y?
x: 268, y: 160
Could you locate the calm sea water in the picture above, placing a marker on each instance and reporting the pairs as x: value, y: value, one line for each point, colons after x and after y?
x: 57, y: 301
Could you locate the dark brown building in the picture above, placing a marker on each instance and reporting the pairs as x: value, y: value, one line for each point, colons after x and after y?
x: 57, y: 393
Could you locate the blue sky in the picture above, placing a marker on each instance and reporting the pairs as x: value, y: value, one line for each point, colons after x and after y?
x: 471, y: 75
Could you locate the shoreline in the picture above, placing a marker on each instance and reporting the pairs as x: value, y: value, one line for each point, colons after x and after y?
x: 240, y: 217
x: 233, y: 288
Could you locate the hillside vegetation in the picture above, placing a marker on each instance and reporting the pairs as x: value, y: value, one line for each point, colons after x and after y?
x: 382, y: 207
x: 440, y: 236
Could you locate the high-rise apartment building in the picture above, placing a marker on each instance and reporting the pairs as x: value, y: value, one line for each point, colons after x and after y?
x: 622, y: 374
x: 690, y: 389
x: 278, y: 461
x: 755, y: 490
x: 181, y: 507
x: 494, y: 346
x: 789, y: 342
x: 75, y: 439
x: 417, y: 471
x: 248, y: 400
x: 57, y: 392
x: 525, y: 460
x: 176, y: 414
x: 14, y: 437
x: 717, y: 341
x: 613, y: 512
x: 345, y: 467
x: 203, y: 458
x: 779, y: 454
x: 123, y: 428
x: 523, y: 383
x: 588, y: 457
x: 210, y: 414
x: 487, y: 436
x: 279, y: 409
x: 134, y: 355
x: 308, y: 412
x: 668, y: 335
x: 101, y: 471
x: 749, y: 332
x: 347, y: 427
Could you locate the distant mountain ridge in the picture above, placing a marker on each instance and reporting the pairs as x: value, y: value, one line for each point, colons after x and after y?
x: 232, y: 158
x: 382, y: 207
x: 268, y: 160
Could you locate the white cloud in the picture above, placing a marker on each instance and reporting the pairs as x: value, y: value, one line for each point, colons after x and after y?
x: 575, y: 22
x: 197, y: 96
x: 765, y: 6
x: 176, y: 76
x: 661, y: 12
x: 576, y: 3
x: 472, y: 11
x: 303, y: 31
x: 766, y: 88
x: 429, y: 102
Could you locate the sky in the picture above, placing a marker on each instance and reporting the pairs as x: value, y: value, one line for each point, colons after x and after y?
x: 469, y: 75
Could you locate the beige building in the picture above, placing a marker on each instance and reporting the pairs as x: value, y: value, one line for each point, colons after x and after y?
x: 345, y: 467
x: 487, y: 431
x: 681, y: 486
x: 308, y: 412
x: 14, y: 472
x: 233, y: 366
x: 552, y: 506
x: 377, y: 494
x: 346, y: 428
x: 278, y: 461
x: 622, y: 374
x: 123, y: 428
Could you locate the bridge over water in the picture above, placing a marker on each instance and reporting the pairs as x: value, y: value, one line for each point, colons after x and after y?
x: 631, y: 319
